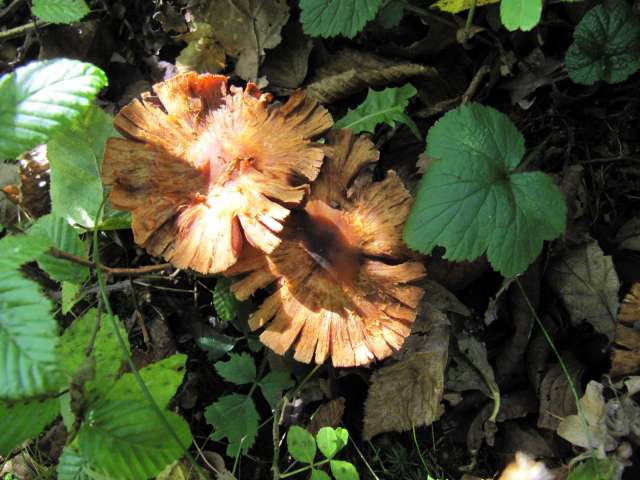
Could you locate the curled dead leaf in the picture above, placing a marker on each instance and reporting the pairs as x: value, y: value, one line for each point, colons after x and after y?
x: 625, y: 357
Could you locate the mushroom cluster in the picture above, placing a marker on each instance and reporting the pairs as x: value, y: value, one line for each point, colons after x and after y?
x: 220, y: 180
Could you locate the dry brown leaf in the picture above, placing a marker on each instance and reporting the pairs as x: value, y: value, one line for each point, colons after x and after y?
x: 586, y: 281
x: 442, y: 299
x: 628, y: 236
x: 625, y: 357
x: 286, y: 65
x: 408, y: 393
x: 588, y: 429
x: 327, y: 415
x: 244, y: 29
x: 350, y: 71
x: 203, y: 53
x: 9, y: 186
x: 556, y: 398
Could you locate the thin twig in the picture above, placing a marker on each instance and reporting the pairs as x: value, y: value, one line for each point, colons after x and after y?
x: 10, y: 9
x: 55, y: 252
x: 475, y: 84
x: 21, y: 30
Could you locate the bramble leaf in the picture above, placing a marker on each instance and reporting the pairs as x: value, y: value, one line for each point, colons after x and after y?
x: 65, y: 238
x: 224, y: 301
x: 272, y: 385
x: 456, y: 6
x: 387, y: 106
x: 76, y: 158
x: 234, y: 417
x: 125, y: 440
x: 60, y: 11
x: 606, y: 45
x: 301, y: 444
x: 240, y: 369
x: 472, y: 200
x: 24, y: 420
x: 520, y: 14
x: 28, y: 339
x: 42, y: 98
x: 328, y: 18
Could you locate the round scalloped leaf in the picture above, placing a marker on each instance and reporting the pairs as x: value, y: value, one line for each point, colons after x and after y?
x: 125, y: 439
x: 39, y: 99
x: 328, y: 18
x: 60, y: 11
x: 472, y: 200
x: 28, y: 339
x: 606, y: 45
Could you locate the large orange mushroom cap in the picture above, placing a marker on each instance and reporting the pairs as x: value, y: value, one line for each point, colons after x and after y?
x: 342, y: 273
x: 203, y: 167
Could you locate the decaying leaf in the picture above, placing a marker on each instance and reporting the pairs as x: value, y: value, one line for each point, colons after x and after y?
x: 625, y: 357
x: 586, y: 281
x: 556, y: 398
x: 588, y: 429
x: 204, y: 166
x: 628, y: 236
x: 408, y: 393
x: 327, y: 415
x: 9, y: 193
x: 350, y: 71
x: 243, y: 28
x: 286, y: 65
x: 343, y: 274
x: 442, y: 299
x: 203, y: 53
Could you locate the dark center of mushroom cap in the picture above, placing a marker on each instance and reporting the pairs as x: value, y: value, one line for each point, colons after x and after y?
x: 327, y: 237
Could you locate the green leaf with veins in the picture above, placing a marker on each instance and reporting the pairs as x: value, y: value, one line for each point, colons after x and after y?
x: 24, y: 420
x: 520, y: 14
x: 224, y: 301
x: 240, y: 369
x: 60, y: 11
x: 234, y: 417
x: 328, y: 18
x: 343, y: 470
x: 40, y: 99
x: 301, y: 445
x: 272, y: 385
x: 73, y: 466
x: 606, y: 45
x: 472, y: 200
x: 387, y: 106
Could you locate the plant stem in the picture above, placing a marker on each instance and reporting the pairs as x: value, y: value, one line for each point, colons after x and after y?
x: 21, y: 30
x: 304, y: 469
x: 55, y: 252
x: 467, y: 25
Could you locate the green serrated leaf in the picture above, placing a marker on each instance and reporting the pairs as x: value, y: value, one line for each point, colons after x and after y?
x: 301, y: 444
x: 234, y: 417
x: 28, y: 339
x: 106, y: 350
x: 331, y: 441
x: 272, y: 385
x: 162, y: 378
x: 71, y: 294
x: 224, y: 301
x: 472, y: 200
x: 76, y: 158
x: 328, y: 18
x: 20, y: 249
x: 520, y: 14
x: 606, y: 45
x: 60, y: 11
x: 24, y: 420
x: 387, y: 106
x: 125, y: 440
x: 216, y: 345
x: 65, y: 238
x: 240, y: 369
x: 73, y: 466
x: 594, y: 469
x: 343, y: 470
x: 390, y: 15
x: 40, y: 99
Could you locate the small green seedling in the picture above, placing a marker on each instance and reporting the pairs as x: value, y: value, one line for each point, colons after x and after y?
x: 303, y: 447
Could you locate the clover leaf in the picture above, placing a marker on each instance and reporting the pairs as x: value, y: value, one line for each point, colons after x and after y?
x: 473, y: 199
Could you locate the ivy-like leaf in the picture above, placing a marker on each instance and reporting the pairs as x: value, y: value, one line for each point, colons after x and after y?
x: 240, y: 369
x: 520, y: 14
x: 301, y: 444
x: 272, y: 385
x: 224, y: 301
x: 472, y: 200
x: 24, y: 420
x: 606, y: 45
x: 125, y: 440
x: 234, y: 417
x: 328, y: 18
x: 76, y: 158
x: 387, y: 106
x: 60, y: 11
x: 65, y: 238
x: 28, y: 339
x: 38, y: 100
